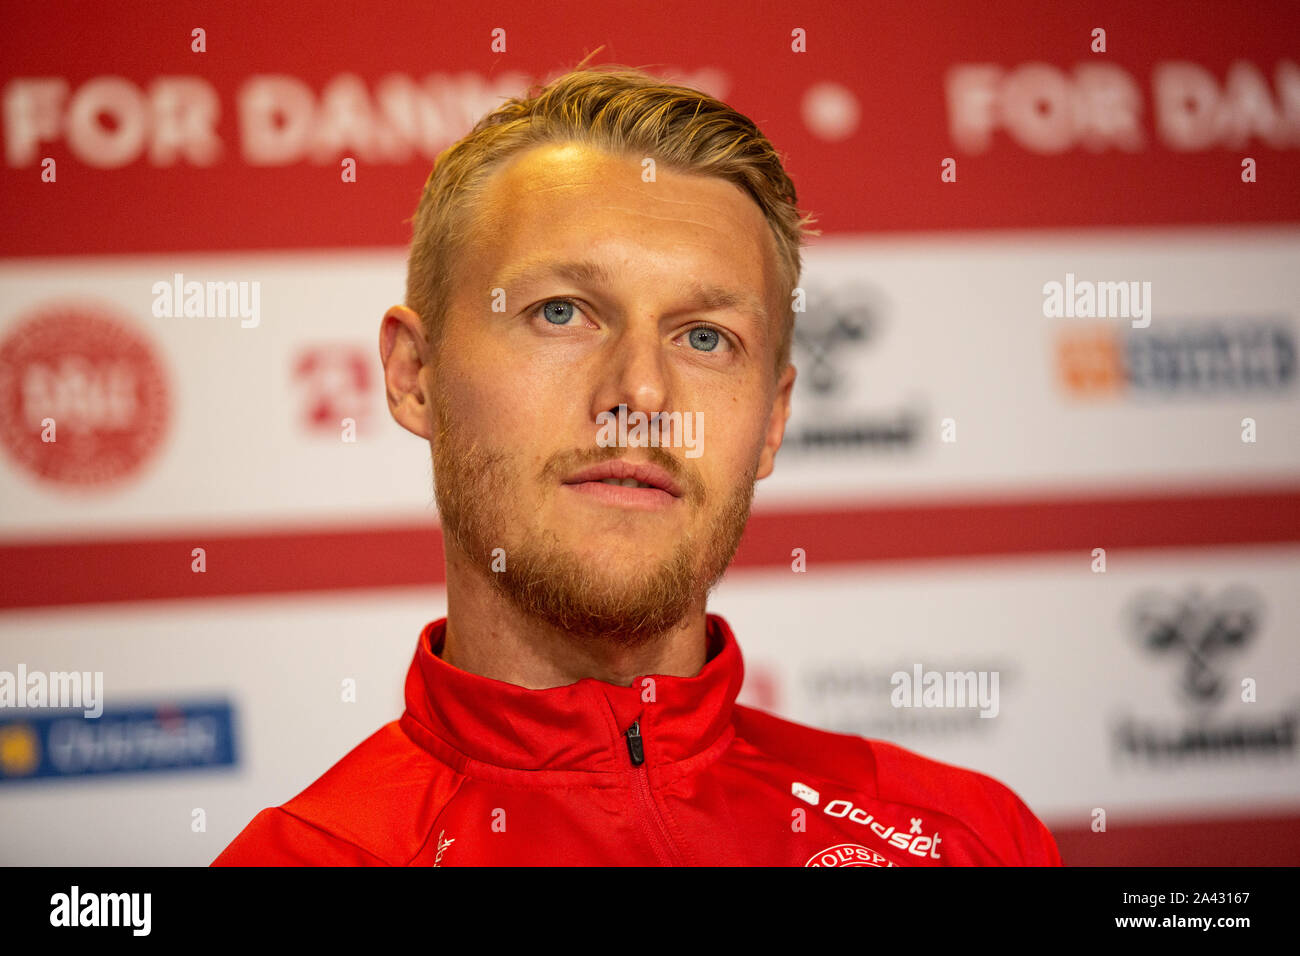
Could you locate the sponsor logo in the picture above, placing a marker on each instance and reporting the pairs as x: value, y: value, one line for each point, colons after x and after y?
x: 914, y: 842
x: 1197, y: 637
x: 828, y: 336
x: 1196, y: 634
x: 83, y: 398
x: 805, y: 793
x: 20, y: 750
x: 166, y: 737
x: 334, y: 382
x: 442, y: 847
x: 848, y: 854
x: 1205, y: 357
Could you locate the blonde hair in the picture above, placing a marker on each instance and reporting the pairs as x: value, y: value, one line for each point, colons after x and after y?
x: 621, y: 110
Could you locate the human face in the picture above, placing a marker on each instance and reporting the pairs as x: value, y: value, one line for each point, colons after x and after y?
x: 586, y: 290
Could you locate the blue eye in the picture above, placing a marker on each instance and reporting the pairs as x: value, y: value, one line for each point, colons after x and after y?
x: 704, y: 339
x: 558, y: 311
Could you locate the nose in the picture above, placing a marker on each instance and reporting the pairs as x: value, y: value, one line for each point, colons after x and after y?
x: 636, y: 378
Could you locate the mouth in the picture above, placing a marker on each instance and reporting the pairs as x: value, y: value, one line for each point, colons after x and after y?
x: 628, y: 484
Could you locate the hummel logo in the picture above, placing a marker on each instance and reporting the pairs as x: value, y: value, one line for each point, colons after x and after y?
x: 442, y: 848
x: 805, y: 793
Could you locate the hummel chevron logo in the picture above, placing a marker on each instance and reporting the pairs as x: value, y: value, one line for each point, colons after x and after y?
x: 442, y: 848
x: 805, y: 793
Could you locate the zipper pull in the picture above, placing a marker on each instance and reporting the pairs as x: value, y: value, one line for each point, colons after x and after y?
x: 634, y: 747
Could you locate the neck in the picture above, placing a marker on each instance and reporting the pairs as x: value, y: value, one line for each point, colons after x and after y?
x: 487, y: 635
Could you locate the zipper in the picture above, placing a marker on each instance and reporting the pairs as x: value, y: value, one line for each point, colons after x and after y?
x: 655, y: 829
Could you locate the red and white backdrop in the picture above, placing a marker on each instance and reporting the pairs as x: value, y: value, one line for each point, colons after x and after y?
x: 1163, y: 690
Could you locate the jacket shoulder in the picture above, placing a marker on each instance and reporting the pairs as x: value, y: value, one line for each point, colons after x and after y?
x: 376, y: 806
x: 988, y: 808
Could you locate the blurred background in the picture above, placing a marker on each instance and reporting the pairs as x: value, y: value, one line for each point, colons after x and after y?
x: 1105, y: 512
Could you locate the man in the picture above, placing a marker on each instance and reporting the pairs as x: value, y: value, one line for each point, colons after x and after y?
x: 596, y: 343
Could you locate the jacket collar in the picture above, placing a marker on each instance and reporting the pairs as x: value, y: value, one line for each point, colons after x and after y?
x: 580, y: 726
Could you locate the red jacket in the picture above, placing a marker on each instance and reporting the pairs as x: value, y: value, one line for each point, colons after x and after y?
x: 667, y: 771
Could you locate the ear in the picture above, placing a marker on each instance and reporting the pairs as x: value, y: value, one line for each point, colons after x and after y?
x: 776, y: 424
x: 404, y: 354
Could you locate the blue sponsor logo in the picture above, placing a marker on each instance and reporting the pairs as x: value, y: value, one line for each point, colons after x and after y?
x: 1176, y: 357
x: 1244, y: 355
x: 142, y: 739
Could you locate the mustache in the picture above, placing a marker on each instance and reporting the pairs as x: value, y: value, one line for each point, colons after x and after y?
x: 566, y: 463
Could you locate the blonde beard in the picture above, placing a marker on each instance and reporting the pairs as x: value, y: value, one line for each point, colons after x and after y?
x: 552, y: 584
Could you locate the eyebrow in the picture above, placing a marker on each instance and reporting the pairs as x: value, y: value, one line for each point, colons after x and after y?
x: 583, y: 271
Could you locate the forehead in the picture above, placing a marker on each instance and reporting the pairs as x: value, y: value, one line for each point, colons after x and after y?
x: 575, y: 201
